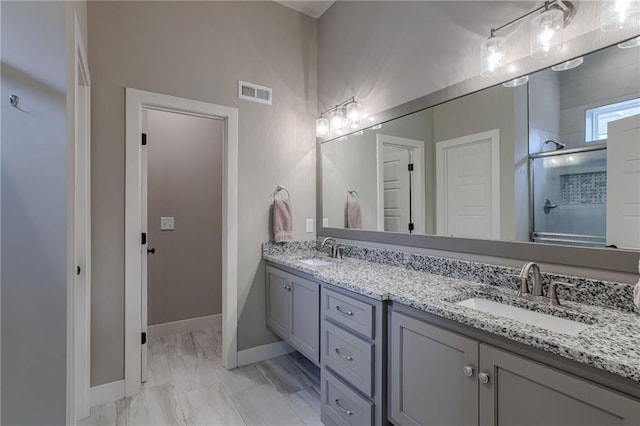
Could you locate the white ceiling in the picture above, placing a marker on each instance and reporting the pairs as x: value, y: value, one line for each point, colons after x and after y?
x: 313, y: 8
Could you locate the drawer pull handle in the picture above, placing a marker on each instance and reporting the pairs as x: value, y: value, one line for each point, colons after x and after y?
x: 342, y: 311
x: 347, y: 357
x: 484, y: 378
x: 467, y: 370
x: 286, y: 287
x: 340, y: 406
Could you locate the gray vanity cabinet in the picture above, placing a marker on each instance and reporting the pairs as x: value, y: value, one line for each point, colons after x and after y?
x: 293, y: 311
x: 524, y: 392
x: 432, y: 375
x: 437, y: 376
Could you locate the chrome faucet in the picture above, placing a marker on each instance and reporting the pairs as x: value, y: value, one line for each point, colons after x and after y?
x: 333, y: 251
x: 536, y: 281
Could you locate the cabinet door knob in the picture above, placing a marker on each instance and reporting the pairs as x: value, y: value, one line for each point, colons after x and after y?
x: 286, y: 287
x: 484, y: 378
x: 467, y: 370
x: 341, y: 407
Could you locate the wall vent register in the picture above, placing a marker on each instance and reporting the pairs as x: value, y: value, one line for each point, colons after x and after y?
x: 254, y: 92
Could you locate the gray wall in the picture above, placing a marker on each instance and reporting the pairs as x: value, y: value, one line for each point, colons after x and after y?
x: 36, y: 39
x: 200, y: 50
x: 184, y: 182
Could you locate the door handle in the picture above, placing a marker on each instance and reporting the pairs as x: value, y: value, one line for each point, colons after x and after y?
x: 151, y: 250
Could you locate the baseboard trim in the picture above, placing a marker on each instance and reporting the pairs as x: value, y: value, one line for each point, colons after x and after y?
x: 260, y: 353
x: 108, y: 392
x: 182, y: 326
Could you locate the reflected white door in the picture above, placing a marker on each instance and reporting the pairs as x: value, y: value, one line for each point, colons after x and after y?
x: 468, y: 186
x: 400, y: 190
x: 623, y: 183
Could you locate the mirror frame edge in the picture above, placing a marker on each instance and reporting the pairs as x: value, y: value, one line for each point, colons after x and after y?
x: 586, y: 257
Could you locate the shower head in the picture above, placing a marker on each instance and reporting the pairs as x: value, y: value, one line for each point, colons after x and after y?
x: 557, y: 144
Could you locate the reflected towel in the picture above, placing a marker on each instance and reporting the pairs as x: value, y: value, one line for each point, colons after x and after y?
x: 354, y: 215
x: 282, y: 220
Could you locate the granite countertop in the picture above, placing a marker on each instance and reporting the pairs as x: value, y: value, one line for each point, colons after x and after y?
x: 611, y: 343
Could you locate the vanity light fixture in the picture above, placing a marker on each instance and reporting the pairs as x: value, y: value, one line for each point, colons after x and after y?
x: 516, y: 81
x: 342, y: 117
x: 376, y: 127
x: 634, y: 42
x: 546, y: 35
x: 574, y: 63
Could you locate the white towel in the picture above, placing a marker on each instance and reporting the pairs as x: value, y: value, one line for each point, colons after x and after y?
x: 282, y: 220
x: 636, y: 291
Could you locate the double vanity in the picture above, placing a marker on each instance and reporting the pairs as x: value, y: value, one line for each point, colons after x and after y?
x: 410, y: 339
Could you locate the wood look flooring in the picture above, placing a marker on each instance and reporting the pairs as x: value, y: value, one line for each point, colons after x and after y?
x: 188, y: 386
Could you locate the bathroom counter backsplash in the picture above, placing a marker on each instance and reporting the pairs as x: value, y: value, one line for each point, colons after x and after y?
x: 434, y: 285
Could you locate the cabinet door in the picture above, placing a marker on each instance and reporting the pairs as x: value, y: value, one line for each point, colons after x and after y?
x: 428, y: 385
x: 278, y: 301
x: 304, y: 329
x: 523, y: 392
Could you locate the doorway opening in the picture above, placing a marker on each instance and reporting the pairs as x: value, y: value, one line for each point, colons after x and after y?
x: 171, y: 198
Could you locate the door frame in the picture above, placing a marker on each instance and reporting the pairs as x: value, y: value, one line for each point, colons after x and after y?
x: 136, y: 101
x: 79, y: 299
x: 441, y: 208
x: 419, y: 147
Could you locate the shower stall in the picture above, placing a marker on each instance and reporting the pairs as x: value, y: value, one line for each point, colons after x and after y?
x: 569, y: 196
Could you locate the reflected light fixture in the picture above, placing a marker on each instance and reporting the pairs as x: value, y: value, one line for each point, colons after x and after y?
x: 619, y: 14
x: 573, y: 63
x: 341, y: 118
x: 547, y: 27
x: 634, y: 42
x: 516, y: 81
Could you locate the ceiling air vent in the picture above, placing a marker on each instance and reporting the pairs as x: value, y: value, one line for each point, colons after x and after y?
x: 254, y: 92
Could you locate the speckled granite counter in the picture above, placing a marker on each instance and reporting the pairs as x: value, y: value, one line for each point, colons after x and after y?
x: 611, y: 343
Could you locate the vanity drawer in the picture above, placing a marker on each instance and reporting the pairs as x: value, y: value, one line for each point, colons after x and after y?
x: 349, y: 356
x: 342, y: 405
x: 347, y: 311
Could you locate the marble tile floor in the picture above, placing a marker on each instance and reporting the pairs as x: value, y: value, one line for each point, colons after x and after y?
x: 187, y: 385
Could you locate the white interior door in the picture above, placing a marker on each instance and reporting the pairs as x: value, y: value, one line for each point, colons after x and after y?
x: 468, y: 186
x: 623, y: 183
x: 143, y: 247
x: 400, y: 190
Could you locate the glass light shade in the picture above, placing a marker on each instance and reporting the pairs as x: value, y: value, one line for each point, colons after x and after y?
x: 493, y: 55
x: 337, y: 121
x: 634, y: 42
x: 619, y: 14
x: 574, y: 63
x: 546, y: 33
x: 353, y: 114
x: 516, y: 81
x: 322, y: 127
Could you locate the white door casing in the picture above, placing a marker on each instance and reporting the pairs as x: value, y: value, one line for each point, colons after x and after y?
x: 623, y: 183
x: 136, y: 102
x: 144, y: 284
x: 468, y: 186
x: 393, y: 155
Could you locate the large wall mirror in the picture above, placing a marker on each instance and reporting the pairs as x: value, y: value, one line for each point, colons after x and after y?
x: 552, y: 160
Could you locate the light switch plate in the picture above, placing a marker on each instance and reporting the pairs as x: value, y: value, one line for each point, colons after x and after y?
x: 167, y: 224
x: 309, y: 225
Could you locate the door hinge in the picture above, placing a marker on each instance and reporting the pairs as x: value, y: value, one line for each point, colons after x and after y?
x: 144, y: 139
x: 410, y: 167
x: 144, y: 238
x: 410, y: 227
x: 144, y: 337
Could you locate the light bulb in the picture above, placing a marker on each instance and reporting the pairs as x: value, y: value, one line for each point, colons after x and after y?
x: 569, y: 64
x: 353, y: 114
x: 322, y: 127
x: 492, y: 55
x: 634, y: 42
x: 338, y: 121
x: 618, y: 14
x: 516, y: 81
x: 546, y: 33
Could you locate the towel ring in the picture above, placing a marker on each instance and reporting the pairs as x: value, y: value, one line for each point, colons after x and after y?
x: 353, y: 191
x: 278, y: 190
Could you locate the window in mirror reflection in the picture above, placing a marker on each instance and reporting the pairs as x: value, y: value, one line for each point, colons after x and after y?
x: 598, y: 118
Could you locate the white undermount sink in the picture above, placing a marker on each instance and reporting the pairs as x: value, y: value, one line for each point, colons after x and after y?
x: 314, y: 261
x: 548, y: 322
